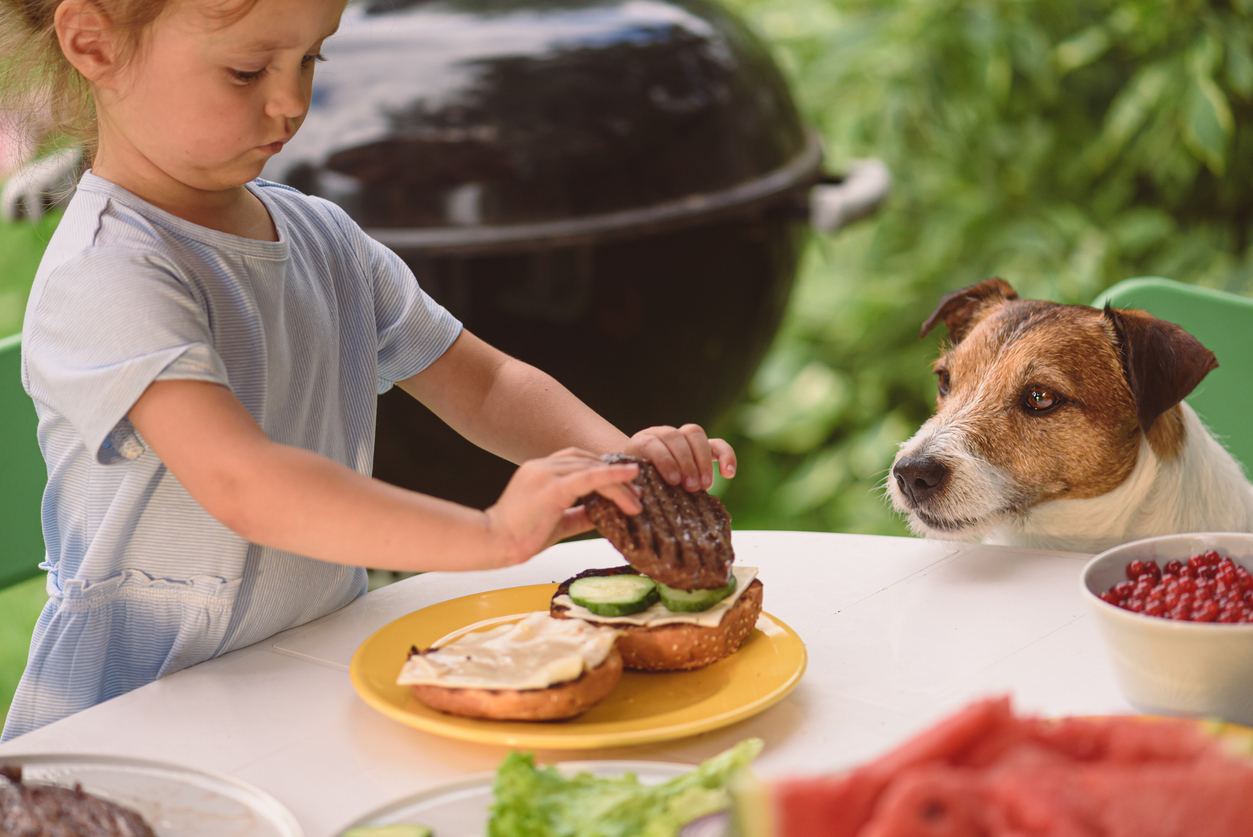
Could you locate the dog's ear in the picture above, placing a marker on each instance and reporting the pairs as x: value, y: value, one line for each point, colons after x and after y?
x: 1162, y: 362
x: 958, y: 308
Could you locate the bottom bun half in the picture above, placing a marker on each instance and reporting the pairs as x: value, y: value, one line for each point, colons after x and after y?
x: 678, y: 647
x: 554, y: 703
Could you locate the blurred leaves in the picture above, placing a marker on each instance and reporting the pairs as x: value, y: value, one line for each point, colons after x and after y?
x: 21, y: 247
x: 1062, y: 145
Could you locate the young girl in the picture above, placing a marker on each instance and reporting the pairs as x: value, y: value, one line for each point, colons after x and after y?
x: 204, y: 351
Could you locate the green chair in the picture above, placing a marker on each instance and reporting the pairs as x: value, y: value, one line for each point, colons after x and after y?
x: 22, y: 473
x: 1223, y: 322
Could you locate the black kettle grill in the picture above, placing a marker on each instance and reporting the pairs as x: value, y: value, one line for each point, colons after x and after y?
x: 616, y: 191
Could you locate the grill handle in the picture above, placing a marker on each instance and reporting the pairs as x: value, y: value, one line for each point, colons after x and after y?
x: 839, y: 201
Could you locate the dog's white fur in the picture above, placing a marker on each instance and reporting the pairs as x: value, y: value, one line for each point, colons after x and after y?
x: 1200, y: 487
x: 1202, y: 490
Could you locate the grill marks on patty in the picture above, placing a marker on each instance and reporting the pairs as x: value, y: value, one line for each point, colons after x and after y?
x: 681, y: 539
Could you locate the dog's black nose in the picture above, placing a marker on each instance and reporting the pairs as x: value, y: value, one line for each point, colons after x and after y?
x: 920, y: 477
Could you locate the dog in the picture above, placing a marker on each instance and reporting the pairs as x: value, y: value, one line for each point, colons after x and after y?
x: 1063, y: 427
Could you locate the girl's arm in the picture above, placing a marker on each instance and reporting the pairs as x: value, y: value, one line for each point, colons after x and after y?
x: 518, y: 412
x: 508, y: 407
x: 301, y: 502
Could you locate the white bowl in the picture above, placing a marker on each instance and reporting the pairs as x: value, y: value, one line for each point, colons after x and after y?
x: 1169, y: 667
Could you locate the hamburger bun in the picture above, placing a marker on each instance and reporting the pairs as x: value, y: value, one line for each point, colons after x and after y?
x: 675, y: 647
x: 534, y: 669
x: 554, y: 703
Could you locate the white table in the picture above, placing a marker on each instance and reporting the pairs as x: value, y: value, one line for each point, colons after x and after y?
x: 899, y: 632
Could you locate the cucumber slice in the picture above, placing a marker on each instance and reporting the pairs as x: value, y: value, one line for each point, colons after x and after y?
x: 614, y: 595
x: 690, y: 601
x: 399, y: 830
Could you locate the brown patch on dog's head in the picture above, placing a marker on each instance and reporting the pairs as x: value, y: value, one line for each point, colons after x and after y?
x: 960, y: 310
x: 1040, y: 389
x: 1167, y: 434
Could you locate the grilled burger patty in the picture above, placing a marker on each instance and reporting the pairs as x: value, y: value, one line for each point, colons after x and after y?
x: 41, y: 810
x: 681, y: 539
x: 681, y: 646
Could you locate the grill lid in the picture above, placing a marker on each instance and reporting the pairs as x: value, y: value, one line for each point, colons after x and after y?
x: 463, y: 123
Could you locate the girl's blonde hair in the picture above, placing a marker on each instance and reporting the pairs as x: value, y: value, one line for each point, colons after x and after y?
x: 37, y: 80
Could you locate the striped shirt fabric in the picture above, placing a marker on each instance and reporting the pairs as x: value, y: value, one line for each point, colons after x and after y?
x: 305, y: 331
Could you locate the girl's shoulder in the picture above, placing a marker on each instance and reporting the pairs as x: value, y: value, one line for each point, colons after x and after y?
x: 96, y: 225
x: 296, y: 205
x: 102, y: 214
x: 314, y: 223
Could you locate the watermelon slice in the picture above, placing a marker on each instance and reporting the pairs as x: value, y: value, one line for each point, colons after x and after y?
x: 985, y: 773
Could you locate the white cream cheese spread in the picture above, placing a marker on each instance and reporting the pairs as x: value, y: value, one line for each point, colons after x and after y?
x: 535, y: 652
x: 659, y: 614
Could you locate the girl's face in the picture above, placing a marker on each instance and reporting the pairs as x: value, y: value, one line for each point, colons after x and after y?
x: 208, y: 99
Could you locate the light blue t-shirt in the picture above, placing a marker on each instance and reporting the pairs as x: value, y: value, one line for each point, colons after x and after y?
x: 304, y: 331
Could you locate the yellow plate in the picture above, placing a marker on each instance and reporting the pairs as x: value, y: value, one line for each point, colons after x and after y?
x: 643, y: 707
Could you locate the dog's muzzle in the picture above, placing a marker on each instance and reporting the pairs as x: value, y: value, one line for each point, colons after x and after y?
x: 920, y: 478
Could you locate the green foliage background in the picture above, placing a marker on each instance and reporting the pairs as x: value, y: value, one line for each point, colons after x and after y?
x: 1062, y: 145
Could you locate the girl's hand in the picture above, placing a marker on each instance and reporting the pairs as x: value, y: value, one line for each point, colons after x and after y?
x: 537, y: 507
x: 684, y: 454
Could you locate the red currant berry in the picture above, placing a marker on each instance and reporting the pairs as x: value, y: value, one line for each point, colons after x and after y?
x: 1206, y: 611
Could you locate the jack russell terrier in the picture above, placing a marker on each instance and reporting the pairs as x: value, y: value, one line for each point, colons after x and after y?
x: 1063, y: 427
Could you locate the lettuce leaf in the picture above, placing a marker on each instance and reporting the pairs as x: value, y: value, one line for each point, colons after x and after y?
x: 541, y: 802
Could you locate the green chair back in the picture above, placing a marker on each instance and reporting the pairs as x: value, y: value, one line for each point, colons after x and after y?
x: 1223, y: 322
x: 22, y: 473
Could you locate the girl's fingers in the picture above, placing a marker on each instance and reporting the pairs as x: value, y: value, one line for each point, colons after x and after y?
x: 622, y: 496
x: 680, y: 447
x: 702, y: 456
x: 609, y: 481
x: 725, y: 454
x: 653, y: 449
x: 669, y: 450
x: 572, y: 459
x: 684, y: 455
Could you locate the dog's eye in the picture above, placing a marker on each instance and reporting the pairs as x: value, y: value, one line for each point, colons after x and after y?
x: 942, y: 382
x: 1040, y: 399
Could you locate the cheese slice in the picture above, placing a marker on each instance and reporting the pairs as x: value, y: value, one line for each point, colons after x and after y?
x: 659, y: 614
x: 535, y: 652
